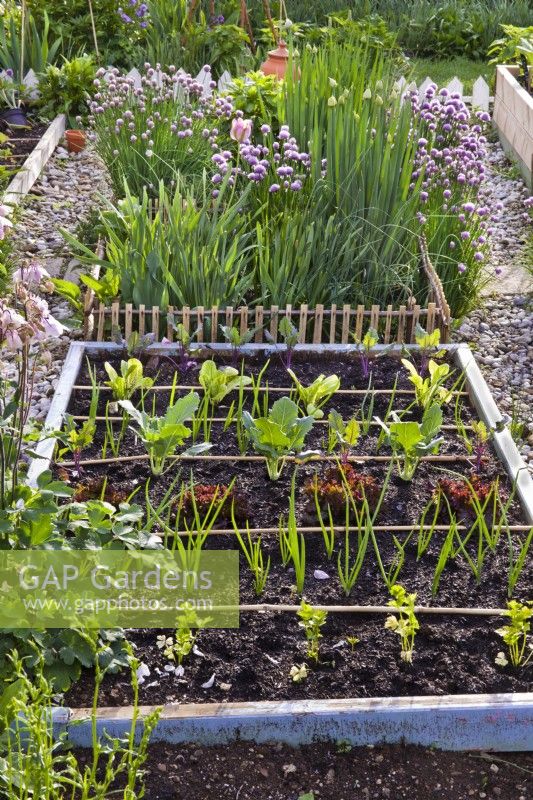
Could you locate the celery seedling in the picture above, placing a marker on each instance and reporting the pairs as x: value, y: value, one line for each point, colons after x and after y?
x: 515, y: 634
x: 405, y: 624
x: 311, y: 620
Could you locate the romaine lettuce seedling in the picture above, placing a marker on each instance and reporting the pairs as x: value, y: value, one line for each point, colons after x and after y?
x: 129, y: 381
x: 429, y: 390
x: 279, y: 434
x: 163, y: 435
x: 217, y: 382
x: 316, y: 395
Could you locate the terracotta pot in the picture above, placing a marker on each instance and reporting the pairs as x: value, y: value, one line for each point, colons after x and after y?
x: 76, y: 140
x: 276, y: 63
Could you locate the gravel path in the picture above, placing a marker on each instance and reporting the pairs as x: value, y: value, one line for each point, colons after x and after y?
x: 70, y: 187
x: 501, y: 330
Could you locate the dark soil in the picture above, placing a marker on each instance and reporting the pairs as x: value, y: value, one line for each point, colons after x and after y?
x: 20, y: 144
x: 244, y: 771
x: 453, y: 655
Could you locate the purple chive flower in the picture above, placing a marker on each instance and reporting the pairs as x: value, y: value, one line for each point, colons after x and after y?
x: 461, y: 267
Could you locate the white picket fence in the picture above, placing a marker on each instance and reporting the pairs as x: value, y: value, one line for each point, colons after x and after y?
x: 480, y: 98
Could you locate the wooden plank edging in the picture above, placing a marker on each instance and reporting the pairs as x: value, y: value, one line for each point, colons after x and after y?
x: 30, y: 171
x: 488, y: 722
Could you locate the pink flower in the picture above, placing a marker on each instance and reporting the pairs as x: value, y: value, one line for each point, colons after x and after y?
x: 241, y: 130
x: 34, y: 273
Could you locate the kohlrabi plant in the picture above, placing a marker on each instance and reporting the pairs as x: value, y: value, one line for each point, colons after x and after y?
x: 410, y: 441
x: 515, y: 634
x: 311, y: 620
x: 279, y: 434
x: 163, y: 435
x: 429, y: 390
x: 364, y: 346
x: 316, y: 395
x: 404, y: 622
x: 130, y: 380
x: 217, y: 382
x: 342, y: 434
x: 429, y: 346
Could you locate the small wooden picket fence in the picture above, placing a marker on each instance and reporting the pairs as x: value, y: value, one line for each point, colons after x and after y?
x: 319, y: 325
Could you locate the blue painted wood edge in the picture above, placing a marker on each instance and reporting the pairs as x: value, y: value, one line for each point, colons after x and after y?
x: 484, y: 722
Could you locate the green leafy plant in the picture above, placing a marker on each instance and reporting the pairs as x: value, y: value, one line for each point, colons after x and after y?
x: 364, y: 347
x: 430, y: 390
x: 163, y: 435
x: 341, y: 434
x: 315, y: 396
x: 515, y: 634
x: 65, y: 89
x: 236, y: 339
x: 404, y: 622
x: 28, y: 46
x: 179, y: 646
x: 428, y: 344
x: 76, y: 438
x: 299, y: 673
x: 289, y: 334
x: 279, y: 434
x: 130, y: 380
x: 412, y: 440
x: 31, y: 762
x: 311, y: 621
x: 257, y: 96
x: 218, y: 382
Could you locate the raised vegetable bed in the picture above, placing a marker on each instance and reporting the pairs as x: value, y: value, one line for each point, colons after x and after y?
x: 360, y: 691
x: 513, y: 118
